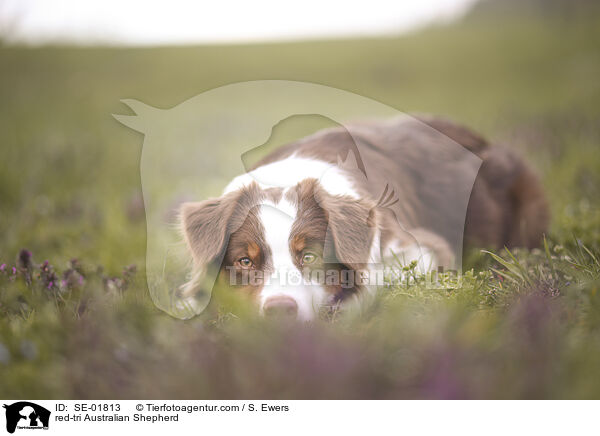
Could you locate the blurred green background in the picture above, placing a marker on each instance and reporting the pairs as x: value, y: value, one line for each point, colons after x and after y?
x: 525, y: 74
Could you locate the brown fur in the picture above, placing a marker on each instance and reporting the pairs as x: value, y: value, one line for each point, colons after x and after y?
x: 507, y: 206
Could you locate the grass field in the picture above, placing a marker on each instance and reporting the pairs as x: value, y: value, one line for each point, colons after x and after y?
x: 526, y: 326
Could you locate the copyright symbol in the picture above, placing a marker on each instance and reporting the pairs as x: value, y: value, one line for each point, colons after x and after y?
x: 139, y: 407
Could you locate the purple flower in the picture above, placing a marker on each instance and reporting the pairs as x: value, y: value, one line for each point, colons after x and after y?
x: 47, y: 275
x: 24, y: 260
x: 2, y: 267
x: 71, y: 279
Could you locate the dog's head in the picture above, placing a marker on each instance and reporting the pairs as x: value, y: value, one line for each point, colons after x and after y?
x: 291, y: 251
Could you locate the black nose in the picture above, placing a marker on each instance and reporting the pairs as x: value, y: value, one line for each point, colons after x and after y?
x: 280, y: 307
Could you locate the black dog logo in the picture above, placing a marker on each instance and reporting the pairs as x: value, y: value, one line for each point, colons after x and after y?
x: 26, y: 415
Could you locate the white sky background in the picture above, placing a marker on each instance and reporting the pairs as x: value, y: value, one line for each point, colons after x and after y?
x: 139, y: 22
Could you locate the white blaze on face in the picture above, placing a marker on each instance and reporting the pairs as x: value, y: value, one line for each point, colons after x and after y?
x: 286, y: 279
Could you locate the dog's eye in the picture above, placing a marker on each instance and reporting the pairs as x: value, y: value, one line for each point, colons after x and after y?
x: 245, y: 262
x: 308, y: 258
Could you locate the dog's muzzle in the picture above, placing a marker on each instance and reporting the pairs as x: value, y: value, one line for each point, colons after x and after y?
x: 280, y: 307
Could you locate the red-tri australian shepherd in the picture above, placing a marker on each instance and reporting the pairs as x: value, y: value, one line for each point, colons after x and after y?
x: 295, y: 231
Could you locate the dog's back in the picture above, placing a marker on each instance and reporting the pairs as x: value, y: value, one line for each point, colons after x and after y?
x: 433, y: 181
x: 508, y: 206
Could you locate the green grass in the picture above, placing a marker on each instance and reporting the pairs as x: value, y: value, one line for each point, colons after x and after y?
x: 518, y: 327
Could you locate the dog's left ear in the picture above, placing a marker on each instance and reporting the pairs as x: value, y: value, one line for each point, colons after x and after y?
x: 352, y: 225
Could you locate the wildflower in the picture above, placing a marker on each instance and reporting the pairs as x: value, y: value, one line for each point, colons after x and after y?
x: 76, y: 265
x: 71, y: 279
x: 25, y: 264
x: 114, y: 284
x: 128, y: 275
x: 47, y: 275
x: 129, y: 272
x: 24, y: 259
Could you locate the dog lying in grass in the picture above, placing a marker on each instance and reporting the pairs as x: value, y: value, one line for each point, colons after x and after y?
x: 311, y: 224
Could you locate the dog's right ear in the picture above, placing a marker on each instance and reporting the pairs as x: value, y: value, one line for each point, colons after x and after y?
x: 206, y: 228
